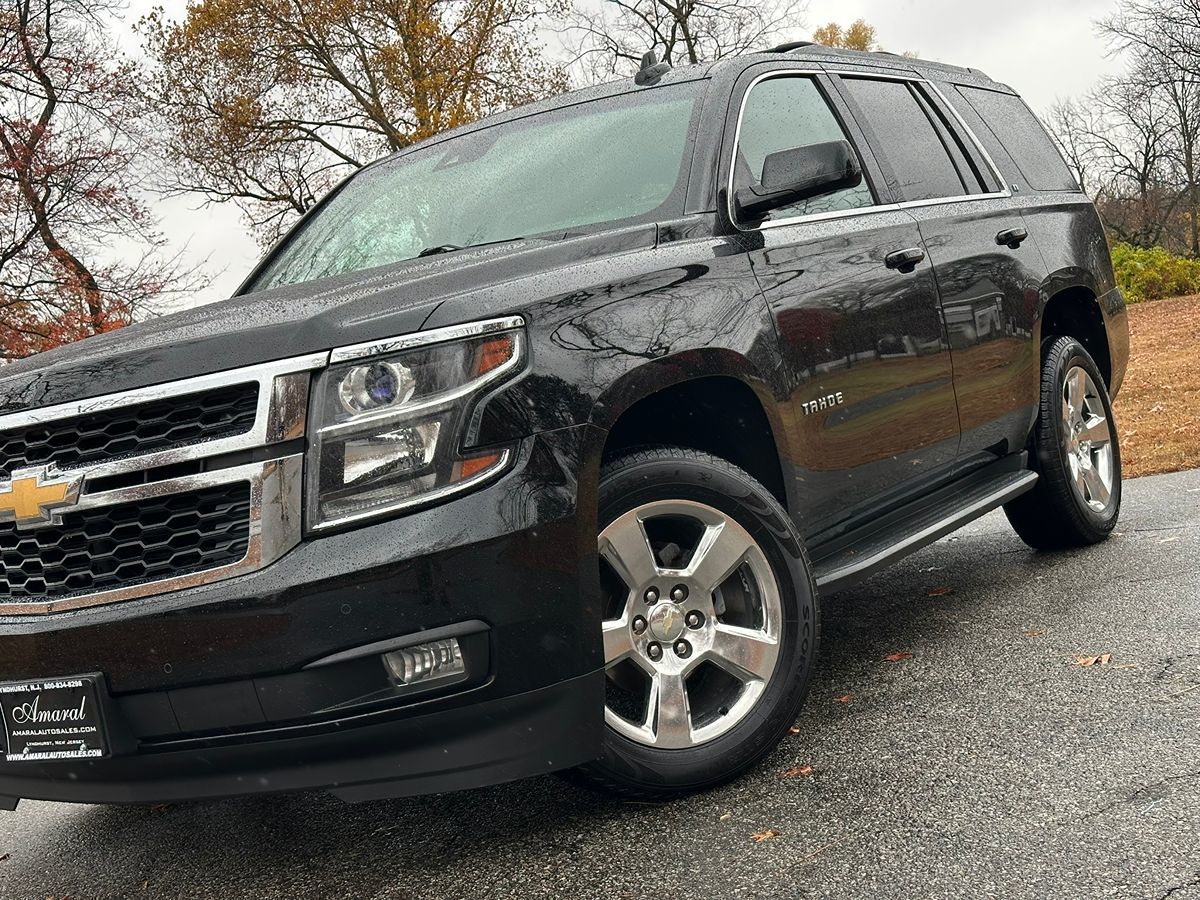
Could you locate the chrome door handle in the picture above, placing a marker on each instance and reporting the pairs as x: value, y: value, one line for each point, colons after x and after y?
x: 1012, y: 237
x: 904, y: 260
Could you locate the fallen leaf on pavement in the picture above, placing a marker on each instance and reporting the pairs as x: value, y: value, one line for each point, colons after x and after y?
x: 797, y: 771
x: 898, y: 656
x: 760, y: 836
x: 1033, y: 632
x: 794, y: 730
x: 940, y: 591
x: 725, y: 817
x: 1088, y: 661
x: 845, y: 698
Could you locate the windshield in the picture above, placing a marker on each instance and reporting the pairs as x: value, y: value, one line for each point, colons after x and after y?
x: 599, y: 162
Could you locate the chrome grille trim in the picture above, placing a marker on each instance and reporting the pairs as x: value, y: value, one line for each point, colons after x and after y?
x: 275, y: 519
x: 280, y: 415
x: 276, y: 507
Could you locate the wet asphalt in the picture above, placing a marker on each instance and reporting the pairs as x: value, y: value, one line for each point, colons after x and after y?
x: 989, y: 764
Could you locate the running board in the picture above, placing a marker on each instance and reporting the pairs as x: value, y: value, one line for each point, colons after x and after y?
x: 863, y: 552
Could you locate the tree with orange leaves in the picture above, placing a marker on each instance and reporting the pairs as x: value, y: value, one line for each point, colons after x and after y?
x: 268, y: 103
x: 856, y: 36
x: 69, y: 175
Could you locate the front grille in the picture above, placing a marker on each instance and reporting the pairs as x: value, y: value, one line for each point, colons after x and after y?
x: 143, y: 428
x: 125, y: 544
x: 167, y: 488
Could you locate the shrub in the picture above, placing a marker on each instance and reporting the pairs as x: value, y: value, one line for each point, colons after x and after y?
x: 1151, y: 274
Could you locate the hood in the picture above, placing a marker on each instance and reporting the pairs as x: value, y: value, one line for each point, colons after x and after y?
x: 300, y: 319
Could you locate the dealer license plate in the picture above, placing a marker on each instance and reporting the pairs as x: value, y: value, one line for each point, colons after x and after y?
x: 52, y: 719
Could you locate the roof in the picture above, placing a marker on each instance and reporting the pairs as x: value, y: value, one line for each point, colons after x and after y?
x: 876, y: 59
x: 801, y: 50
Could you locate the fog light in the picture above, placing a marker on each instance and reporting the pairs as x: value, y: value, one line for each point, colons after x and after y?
x: 438, y: 662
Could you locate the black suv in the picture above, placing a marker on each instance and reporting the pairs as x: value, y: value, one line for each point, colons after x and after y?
x: 533, y: 445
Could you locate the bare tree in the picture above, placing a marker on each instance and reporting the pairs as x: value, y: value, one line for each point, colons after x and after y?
x: 268, y: 103
x: 1165, y: 28
x: 1075, y: 125
x: 1133, y: 147
x: 610, y: 38
x: 1163, y: 39
x: 69, y: 177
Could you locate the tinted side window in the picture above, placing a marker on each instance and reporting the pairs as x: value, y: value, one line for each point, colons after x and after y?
x: 783, y: 114
x: 906, y: 139
x: 1012, y: 123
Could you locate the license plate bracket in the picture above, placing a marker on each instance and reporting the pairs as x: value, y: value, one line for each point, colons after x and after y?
x: 52, y: 719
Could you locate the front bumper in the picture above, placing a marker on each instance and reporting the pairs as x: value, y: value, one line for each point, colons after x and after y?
x: 213, y: 691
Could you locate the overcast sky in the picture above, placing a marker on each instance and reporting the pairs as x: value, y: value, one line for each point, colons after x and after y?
x: 1044, y: 50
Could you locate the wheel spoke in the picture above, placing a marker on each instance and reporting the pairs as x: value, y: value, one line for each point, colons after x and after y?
x: 721, y: 550
x: 1078, y: 475
x: 618, y: 642
x: 1096, y: 430
x: 668, y: 713
x: 1076, y: 389
x: 625, y: 545
x: 746, y: 654
x: 1097, y: 490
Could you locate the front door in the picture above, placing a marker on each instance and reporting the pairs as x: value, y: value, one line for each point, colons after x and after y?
x: 872, y: 411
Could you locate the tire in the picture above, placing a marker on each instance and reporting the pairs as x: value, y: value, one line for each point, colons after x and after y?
x: 675, y: 500
x: 1074, y: 503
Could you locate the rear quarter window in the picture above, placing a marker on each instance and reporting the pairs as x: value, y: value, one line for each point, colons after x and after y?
x: 1022, y: 135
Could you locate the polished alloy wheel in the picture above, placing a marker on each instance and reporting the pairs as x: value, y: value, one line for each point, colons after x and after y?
x: 692, y: 625
x: 1088, y: 440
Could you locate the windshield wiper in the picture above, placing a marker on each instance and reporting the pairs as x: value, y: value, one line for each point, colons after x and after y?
x: 452, y: 248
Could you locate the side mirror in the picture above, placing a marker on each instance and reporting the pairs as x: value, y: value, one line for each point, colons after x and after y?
x: 791, y: 176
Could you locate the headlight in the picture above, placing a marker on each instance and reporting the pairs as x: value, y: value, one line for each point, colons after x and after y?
x: 388, y: 427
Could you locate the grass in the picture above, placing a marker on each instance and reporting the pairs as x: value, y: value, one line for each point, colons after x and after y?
x: 1158, y: 408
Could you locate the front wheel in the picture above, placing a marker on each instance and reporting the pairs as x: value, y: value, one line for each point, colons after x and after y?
x: 1078, y: 495
x: 710, y: 623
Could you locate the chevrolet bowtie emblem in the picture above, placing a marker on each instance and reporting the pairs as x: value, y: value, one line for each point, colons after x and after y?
x: 36, y: 497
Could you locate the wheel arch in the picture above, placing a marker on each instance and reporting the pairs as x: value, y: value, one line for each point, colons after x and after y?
x: 1074, y: 310
x: 721, y: 407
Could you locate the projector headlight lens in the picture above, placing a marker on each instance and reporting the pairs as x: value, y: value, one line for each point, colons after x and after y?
x: 388, y: 429
x: 376, y: 385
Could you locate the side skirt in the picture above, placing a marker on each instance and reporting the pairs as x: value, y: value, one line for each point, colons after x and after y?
x: 859, y: 554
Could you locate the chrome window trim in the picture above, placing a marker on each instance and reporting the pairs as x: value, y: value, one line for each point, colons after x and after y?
x: 970, y: 133
x: 275, y: 528
x: 425, y: 338
x: 280, y: 415
x: 1004, y: 193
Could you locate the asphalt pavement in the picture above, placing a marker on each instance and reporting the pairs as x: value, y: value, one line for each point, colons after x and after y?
x: 989, y: 763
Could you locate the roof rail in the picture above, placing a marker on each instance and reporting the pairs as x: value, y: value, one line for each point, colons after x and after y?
x: 792, y: 45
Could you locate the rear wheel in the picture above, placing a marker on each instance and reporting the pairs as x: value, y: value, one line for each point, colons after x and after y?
x: 1076, y: 451
x: 710, y: 623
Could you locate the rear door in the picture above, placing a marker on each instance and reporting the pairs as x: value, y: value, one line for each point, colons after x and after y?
x: 988, y: 271
x: 872, y: 409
